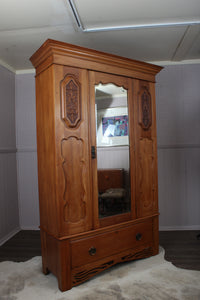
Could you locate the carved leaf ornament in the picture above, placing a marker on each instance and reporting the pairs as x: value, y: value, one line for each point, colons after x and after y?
x: 145, y: 111
x: 70, y: 101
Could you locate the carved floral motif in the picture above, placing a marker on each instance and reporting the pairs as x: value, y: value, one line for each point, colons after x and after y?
x: 145, y: 111
x: 71, y: 103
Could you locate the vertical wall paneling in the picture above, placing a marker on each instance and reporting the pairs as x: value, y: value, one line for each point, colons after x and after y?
x: 178, y: 126
x: 9, y: 218
x: 26, y: 151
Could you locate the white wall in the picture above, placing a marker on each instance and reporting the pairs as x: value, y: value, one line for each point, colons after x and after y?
x: 9, y: 217
x: 178, y: 130
x: 26, y: 151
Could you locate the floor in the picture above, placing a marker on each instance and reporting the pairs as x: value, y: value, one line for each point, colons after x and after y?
x: 182, y: 248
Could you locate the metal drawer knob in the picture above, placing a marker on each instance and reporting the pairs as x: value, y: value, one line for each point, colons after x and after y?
x: 138, y: 236
x: 92, y: 251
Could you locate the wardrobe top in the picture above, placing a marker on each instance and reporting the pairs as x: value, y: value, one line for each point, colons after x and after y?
x: 60, y: 53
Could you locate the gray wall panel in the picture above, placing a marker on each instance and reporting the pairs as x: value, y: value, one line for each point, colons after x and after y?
x: 27, y: 151
x: 9, y: 216
x: 28, y: 189
x: 178, y: 127
x: 25, y: 112
x: 7, y: 109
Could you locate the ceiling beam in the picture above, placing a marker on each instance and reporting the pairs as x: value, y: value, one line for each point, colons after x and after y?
x: 186, y: 42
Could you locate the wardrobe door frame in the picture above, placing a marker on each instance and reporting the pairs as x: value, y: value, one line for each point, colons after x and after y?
x: 127, y: 83
x: 145, y: 150
x: 73, y: 161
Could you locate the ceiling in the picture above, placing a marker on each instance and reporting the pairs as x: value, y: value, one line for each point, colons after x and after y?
x: 156, y: 31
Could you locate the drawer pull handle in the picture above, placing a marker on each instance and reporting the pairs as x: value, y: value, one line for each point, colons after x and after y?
x: 138, y: 236
x: 92, y: 251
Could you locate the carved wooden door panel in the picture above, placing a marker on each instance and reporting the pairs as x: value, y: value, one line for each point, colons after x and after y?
x: 145, y: 148
x: 72, y: 150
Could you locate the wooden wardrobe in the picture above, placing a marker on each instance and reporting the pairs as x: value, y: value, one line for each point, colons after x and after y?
x: 97, y: 160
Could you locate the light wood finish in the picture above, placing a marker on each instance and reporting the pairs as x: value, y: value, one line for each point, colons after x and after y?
x: 75, y: 242
x: 181, y: 247
x: 85, y: 272
x: 146, y: 152
x: 110, y: 243
x: 55, y: 52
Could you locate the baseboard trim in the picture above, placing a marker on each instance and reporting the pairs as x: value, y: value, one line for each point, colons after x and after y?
x: 9, y: 236
x: 173, y: 228
x: 30, y: 227
x: 19, y: 150
x: 180, y: 146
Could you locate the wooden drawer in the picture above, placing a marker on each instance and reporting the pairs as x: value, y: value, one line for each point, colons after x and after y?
x: 90, y: 249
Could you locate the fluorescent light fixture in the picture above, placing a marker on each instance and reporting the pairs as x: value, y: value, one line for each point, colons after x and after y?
x: 76, y: 15
x: 152, y: 25
x: 125, y: 27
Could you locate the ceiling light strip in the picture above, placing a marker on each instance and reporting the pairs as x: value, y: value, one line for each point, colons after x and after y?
x: 141, y: 26
x: 125, y: 27
x: 76, y: 15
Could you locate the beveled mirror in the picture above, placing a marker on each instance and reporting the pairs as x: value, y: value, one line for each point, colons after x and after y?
x: 112, y: 140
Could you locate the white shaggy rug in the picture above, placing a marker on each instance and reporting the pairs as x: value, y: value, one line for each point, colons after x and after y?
x: 147, y: 279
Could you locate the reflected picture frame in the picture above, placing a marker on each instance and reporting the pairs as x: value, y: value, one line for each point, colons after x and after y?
x: 112, y: 127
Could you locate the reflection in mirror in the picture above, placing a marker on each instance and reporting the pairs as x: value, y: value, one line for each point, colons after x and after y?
x: 112, y: 149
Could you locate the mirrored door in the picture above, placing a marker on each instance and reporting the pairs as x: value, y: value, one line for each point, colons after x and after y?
x: 112, y: 146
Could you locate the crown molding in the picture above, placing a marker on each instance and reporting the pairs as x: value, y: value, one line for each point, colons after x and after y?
x: 7, y: 66
x: 173, y: 63
x: 22, y: 71
x: 159, y: 63
x: 25, y: 71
